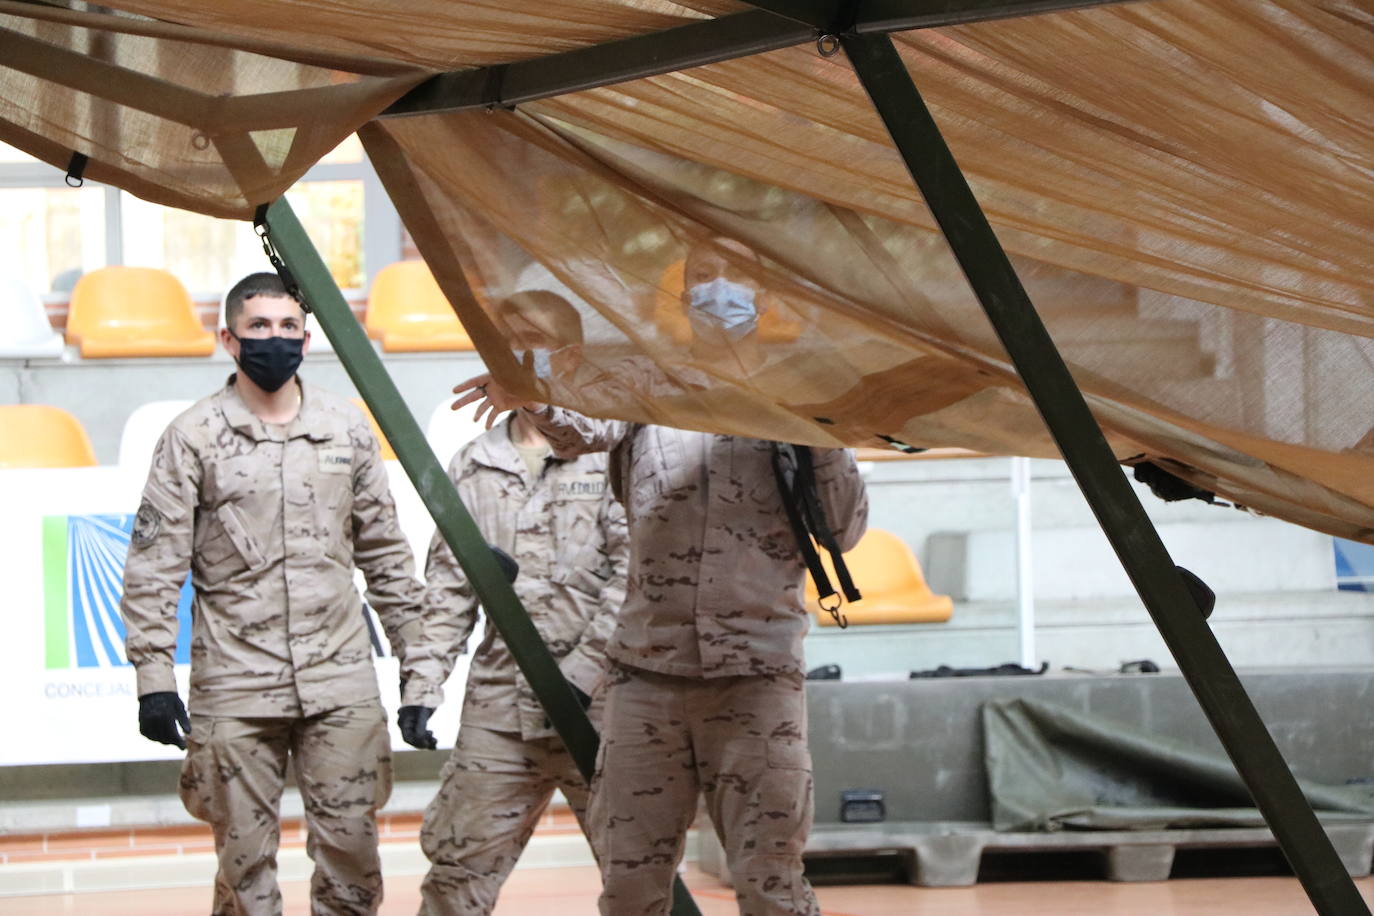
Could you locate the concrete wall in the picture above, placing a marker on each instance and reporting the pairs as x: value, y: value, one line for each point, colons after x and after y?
x: 1277, y: 602
x: 921, y: 741
x: 102, y: 393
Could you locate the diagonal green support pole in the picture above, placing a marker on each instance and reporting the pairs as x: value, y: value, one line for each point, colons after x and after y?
x: 1132, y: 535
x: 498, y: 599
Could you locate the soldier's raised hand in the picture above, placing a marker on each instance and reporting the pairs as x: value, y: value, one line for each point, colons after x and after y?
x: 491, y: 399
x: 160, y: 715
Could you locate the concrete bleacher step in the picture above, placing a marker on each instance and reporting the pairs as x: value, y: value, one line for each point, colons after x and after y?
x: 950, y: 854
x: 1053, y: 290
x: 1121, y: 327
x: 1240, y: 555
x: 1148, y: 360
x: 1310, y: 629
x: 1116, y: 340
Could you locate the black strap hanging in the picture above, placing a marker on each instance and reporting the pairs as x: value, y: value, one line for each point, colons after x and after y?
x: 288, y: 279
x: 75, y: 169
x: 808, y: 521
x: 816, y: 521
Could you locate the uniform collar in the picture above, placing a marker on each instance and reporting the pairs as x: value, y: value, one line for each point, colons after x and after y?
x: 496, y: 450
x: 311, y: 421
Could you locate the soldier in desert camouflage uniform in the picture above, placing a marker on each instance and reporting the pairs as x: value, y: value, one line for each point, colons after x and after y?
x: 269, y: 491
x: 706, y: 691
x: 560, y: 522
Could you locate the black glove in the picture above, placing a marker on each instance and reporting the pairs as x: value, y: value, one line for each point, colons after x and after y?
x: 509, y: 568
x: 1202, y: 593
x: 412, y: 721
x: 159, y: 714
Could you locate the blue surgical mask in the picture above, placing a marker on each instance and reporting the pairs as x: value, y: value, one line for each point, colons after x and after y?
x: 723, y: 305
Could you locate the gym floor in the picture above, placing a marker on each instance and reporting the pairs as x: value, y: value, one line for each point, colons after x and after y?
x: 539, y: 892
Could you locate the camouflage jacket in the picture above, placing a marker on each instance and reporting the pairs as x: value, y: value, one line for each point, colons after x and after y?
x: 270, y: 521
x: 568, y: 534
x: 716, y: 581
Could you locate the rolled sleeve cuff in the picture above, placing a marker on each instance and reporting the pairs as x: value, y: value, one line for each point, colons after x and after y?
x: 155, y: 678
x: 582, y: 672
x: 422, y: 693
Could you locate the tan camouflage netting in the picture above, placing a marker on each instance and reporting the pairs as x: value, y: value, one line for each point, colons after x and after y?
x: 1186, y: 186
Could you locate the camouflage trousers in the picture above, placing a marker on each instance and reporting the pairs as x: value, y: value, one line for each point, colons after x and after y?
x: 233, y: 778
x: 740, y: 742
x: 493, y: 789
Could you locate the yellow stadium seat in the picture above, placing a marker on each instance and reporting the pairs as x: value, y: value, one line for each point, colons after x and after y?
x: 388, y: 453
x: 408, y: 312
x: 135, y: 311
x: 671, y: 315
x: 890, y: 579
x: 38, y: 436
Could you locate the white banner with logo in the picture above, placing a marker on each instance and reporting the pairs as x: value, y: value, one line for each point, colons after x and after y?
x: 69, y: 692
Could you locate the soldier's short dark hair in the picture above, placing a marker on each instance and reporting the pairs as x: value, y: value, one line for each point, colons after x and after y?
x: 545, y: 310
x: 264, y: 283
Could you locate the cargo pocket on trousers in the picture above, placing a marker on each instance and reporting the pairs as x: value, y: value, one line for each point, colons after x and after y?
x: 198, y: 770
x: 785, y: 804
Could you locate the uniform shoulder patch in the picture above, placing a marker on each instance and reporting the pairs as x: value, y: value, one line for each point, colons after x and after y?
x: 147, y: 525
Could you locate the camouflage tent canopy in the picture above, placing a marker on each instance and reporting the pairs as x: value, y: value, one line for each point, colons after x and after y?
x: 1185, y: 189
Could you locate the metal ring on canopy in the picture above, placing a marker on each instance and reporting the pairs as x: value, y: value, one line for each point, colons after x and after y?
x: 827, y: 45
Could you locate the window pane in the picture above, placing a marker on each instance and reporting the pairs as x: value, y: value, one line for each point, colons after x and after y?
x: 49, y: 236
x: 351, y: 150
x: 10, y: 154
x: 206, y: 254
x: 332, y: 214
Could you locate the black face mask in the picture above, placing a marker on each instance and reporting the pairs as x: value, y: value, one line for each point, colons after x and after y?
x: 270, y: 361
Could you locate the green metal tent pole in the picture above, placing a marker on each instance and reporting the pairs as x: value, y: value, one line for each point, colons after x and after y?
x: 499, y: 601
x: 365, y: 368
x: 1085, y: 450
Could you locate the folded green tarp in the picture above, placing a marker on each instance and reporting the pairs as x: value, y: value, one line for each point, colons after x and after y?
x: 1051, y: 768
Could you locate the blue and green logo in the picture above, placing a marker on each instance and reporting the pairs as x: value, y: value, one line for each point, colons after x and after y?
x: 83, y: 581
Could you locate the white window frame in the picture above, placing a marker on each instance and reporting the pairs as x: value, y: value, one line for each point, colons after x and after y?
x: 381, y: 223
